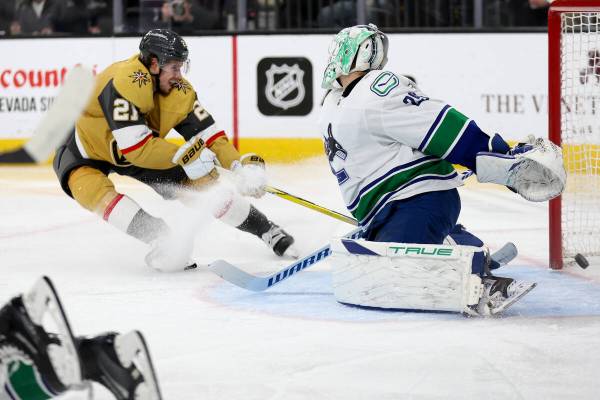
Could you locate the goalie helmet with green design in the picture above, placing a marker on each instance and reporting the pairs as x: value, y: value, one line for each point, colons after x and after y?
x: 357, y: 48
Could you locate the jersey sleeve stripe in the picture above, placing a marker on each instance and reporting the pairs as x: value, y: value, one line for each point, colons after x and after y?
x: 137, y: 145
x: 131, y: 136
x: 469, y: 143
x: 433, y: 127
x: 214, y: 137
x: 457, y: 139
x: 444, y: 136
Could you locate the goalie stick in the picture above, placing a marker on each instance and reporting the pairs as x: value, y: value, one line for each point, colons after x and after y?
x: 247, y: 281
x: 255, y: 283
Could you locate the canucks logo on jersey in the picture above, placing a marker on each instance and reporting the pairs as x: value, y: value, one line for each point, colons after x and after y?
x: 334, y: 149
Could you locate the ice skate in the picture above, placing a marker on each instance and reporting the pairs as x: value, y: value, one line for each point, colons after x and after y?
x: 34, y: 331
x: 501, y: 293
x: 122, y: 363
x: 280, y: 241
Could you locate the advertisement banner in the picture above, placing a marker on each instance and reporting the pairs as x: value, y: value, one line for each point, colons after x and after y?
x: 33, y: 69
x: 500, y: 80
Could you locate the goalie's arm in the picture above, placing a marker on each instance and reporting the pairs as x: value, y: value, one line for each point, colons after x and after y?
x: 458, y: 139
x: 433, y: 128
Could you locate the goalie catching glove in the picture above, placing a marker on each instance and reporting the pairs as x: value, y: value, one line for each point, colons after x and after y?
x: 196, y: 160
x: 534, y: 169
x: 249, y: 175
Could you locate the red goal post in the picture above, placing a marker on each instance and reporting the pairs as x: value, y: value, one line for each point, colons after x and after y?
x: 574, y: 124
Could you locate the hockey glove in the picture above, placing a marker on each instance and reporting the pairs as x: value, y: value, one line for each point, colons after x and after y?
x: 534, y: 170
x: 249, y: 175
x: 195, y: 159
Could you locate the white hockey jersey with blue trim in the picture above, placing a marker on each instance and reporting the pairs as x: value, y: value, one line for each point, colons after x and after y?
x: 386, y: 141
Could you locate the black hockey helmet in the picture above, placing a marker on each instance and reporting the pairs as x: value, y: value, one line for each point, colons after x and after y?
x: 165, y: 45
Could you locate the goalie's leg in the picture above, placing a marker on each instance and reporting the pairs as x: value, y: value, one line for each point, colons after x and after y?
x: 38, y: 356
x: 122, y: 364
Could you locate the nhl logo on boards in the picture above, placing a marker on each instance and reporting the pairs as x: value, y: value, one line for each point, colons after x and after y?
x: 284, y: 86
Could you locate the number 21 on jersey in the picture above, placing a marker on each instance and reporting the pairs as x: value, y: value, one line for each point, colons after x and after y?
x: 124, y: 111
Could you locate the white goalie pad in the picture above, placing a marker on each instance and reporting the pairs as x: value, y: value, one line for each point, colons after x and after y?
x: 537, y: 174
x: 404, y: 276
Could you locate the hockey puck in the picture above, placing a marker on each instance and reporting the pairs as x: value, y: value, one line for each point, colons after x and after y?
x: 581, y: 261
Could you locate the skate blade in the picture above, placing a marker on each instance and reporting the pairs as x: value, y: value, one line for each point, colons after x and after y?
x: 131, y: 349
x: 44, y: 308
x: 513, y: 299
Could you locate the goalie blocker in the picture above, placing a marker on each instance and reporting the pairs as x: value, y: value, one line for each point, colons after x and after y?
x: 418, y: 277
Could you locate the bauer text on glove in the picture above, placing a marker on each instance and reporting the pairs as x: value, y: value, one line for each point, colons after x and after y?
x: 195, y: 159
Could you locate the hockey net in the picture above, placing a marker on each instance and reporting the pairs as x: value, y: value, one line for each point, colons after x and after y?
x: 574, y: 123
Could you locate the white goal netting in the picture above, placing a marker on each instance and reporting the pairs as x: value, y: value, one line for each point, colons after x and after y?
x: 580, y: 132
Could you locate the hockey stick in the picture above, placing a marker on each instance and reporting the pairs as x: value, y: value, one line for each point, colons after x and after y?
x: 58, y: 122
x: 255, y: 283
x: 309, y: 204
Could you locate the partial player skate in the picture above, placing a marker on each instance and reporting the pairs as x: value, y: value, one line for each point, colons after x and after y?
x: 25, y: 342
x: 280, y: 241
x: 501, y: 293
x: 122, y: 363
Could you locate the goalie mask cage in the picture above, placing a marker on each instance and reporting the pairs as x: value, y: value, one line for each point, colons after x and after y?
x: 574, y: 124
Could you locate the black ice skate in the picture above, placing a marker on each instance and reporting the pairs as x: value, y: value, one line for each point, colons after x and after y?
x: 122, y: 364
x: 501, y: 293
x: 34, y: 331
x: 280, y: 241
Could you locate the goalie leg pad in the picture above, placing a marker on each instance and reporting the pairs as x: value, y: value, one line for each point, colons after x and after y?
x: 405, y: 276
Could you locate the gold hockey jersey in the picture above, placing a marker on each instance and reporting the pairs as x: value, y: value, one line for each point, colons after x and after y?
x: 127, y: 120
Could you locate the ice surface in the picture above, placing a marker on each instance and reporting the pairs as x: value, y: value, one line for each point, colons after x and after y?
x: 211, y: 340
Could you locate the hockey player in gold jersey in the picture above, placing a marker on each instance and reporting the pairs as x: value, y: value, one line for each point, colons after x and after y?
x: 135, y: 104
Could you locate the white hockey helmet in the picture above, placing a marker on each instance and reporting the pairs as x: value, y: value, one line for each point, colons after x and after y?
x: 357, y: 48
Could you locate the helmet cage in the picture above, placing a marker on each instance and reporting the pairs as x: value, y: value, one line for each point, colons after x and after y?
x: 357, y: 48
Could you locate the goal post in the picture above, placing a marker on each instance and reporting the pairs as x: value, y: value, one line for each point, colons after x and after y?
x: 574, y: 124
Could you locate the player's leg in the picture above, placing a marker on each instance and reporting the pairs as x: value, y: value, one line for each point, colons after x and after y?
x: 499, y: 292
x: 417, y: 277
x: 86, y: 181
x: 424, y: 218
x: 95, y: 191
x: 38, y: 355
x: 121, y: 363
x: 231, y: 208
x: 428, y: 219
x: 236, y: 211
